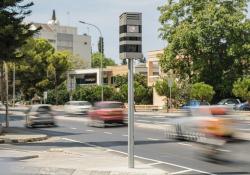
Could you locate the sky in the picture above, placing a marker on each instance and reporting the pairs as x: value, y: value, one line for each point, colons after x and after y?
x: 105, y: 14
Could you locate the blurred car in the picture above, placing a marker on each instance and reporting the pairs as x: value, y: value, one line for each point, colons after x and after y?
x: 107, y: 112
x: 189, y: 128
x: 39, y: 115
x: 243, y: 106
x: 77, y: 107
x: 194, y: 103
x: 229, y: 102
x: 2, y: 107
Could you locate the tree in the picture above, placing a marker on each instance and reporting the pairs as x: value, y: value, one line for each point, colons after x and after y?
x: 13, y: 31
x: 42, y: 69
x: 208, y: 41
x: 202, y: 91
x: 96, y: 60
x: 76, y: 62
x: 241, y: 88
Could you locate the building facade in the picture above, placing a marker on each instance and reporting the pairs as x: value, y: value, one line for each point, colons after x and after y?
x: 93, y: 76
x: 65, y: 38
x: 154, y: 73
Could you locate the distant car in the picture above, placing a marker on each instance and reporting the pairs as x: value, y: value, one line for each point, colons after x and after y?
x: 243, y: 106
x: 194, y: 103
x: 39, y: 115
x: 229, y: 102
x: 107, y: 112
x: 77, y: 107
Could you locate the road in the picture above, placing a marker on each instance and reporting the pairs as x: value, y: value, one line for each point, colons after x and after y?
x: 150, y: 145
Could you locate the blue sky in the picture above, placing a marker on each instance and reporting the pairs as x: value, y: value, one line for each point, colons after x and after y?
x: 104, y: 14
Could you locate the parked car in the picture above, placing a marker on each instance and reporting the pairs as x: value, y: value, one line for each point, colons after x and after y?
x: 107, y: 112
x: 243, y: 106
x: 229, y: 102
x: 194, y: 103
x: 77, y: 107
x: 39, y: 115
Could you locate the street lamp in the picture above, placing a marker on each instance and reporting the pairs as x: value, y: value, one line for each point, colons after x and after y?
x: 101, y: 48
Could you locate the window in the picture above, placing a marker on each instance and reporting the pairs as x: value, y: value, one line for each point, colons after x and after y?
x: 130, y: 38
x: 130, y: 48
x: 130, y: 29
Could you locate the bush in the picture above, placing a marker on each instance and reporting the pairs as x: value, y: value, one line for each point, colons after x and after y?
x: 61, y: 93
x: 202, y: 91
x: 241, y: 88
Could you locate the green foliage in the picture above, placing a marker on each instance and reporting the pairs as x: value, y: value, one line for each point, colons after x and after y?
x: 59, y: 95
x: 96, y: 60
x: 92, y: 93
x: 208, y: 41
x: 13, y: 30
x: 162, y: 89
x: 241, y: 88
x: 202, y: 91
x: 75, y: 61
x: 42, y: 69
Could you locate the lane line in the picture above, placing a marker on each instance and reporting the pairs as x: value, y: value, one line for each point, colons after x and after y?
x: 89, y: 130
x: 140, y: 157
x: 107, y: 132
x: 180, y: 172
x: 73, y: 128
x: 185, y: 144
x: 146, y: 121
x: 153, y: 139
x: 125, y: 135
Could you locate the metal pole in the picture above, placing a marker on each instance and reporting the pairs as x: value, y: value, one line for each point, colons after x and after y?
x: 130, y: 114
x: 7, y: 94
x: 100, y: 32
x: 101, y: 67
x: 170, y: 103
x: 14, y: 85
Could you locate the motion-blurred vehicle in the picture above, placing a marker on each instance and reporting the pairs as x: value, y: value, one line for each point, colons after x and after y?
x: 39, y: 115
x: 229, y: 102
x: 190, y: 128
x: 107, y: 112
x: 2, y: 107
x: 243, y: 106
x: 194, y: 103
x: 77, y: 107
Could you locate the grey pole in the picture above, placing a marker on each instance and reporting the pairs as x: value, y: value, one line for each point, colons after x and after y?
x: 100, y: 32
x: 14, y: 85
x: 130, y: 114
x: 7, y: 94
x: 170, y: 98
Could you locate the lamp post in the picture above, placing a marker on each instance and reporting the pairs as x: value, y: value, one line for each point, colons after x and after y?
x: 101, y: 47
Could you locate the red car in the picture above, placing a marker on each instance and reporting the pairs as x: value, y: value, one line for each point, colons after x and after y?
x: 107, y: 112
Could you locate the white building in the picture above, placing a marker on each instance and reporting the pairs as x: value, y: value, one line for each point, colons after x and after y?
x: 65, y: 38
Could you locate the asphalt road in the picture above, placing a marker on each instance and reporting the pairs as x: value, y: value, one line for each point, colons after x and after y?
x: 150, y: 145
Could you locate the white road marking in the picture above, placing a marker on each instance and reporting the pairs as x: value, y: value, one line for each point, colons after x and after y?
x: 244, y: 129
x: 152, y: 139
x: 144, y: 158
x: 107, y: 132
x: 224, y: 150
x: 180, y: 172
x: 89, y: 130
x: 185, y: 144
x: 125, y: 135
x: 146, y: 121
x: 73, y: 128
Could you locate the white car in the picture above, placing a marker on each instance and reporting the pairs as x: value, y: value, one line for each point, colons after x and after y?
x: 39, y: 115
x: 77, y: 107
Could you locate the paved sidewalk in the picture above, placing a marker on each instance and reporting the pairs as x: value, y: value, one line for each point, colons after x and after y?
x: 80, y: 160
x: 20, y: 135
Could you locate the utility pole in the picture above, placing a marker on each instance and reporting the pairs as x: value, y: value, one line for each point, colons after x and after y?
x: 14, y: 85
x: 7, y: 94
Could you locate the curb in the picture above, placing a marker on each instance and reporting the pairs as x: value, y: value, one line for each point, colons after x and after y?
x: 27, y: 140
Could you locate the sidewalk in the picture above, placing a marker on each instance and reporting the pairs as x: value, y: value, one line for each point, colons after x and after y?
x: 80, y: 160
x: 20, y: 135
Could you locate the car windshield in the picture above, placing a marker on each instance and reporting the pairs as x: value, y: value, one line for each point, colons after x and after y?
x: 109, y: 105
x: 82, y: 103
x: 222, y: 102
